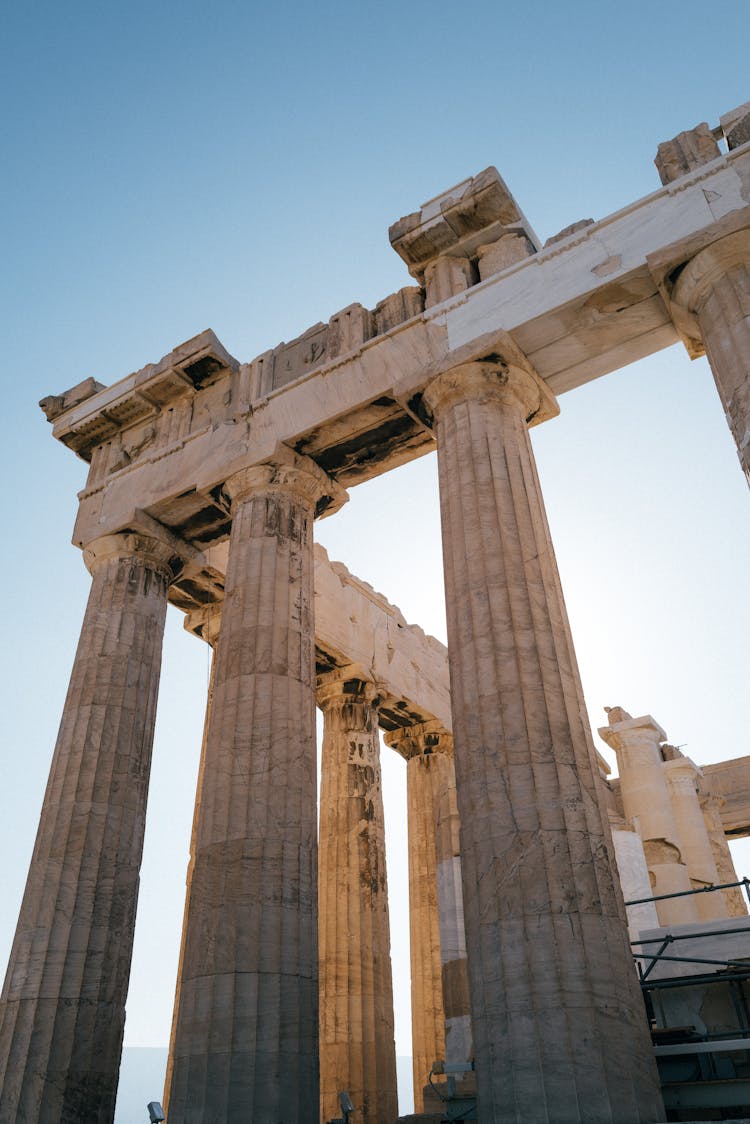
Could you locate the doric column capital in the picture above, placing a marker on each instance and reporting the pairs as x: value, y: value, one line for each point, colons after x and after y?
x: 632, y: 731
x: 711, y: 802
x: 420, y: 739
x: 346, y: 691
x: 507, y: 378
x: 289, y: 472
x: 147, y: 550
x: 683, y: 774
x: 698, y: 277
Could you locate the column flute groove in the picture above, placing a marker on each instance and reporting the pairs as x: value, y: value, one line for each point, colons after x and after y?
x: 63, y: 1005
x: 245, y: 1041
x: 207, y: 622
x: 357, y: 1051
x: 545, y: 927
x: 713, y: 289
x: 441, y: 1026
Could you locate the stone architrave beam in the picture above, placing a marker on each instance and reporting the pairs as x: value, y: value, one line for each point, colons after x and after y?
x: 355, y: 626
x: 731, y: 780
x: 579, y: 308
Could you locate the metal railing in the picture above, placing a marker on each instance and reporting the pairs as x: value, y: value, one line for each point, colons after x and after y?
x: 699, y: 890
x: 742, y: 966
x: 728, y: 971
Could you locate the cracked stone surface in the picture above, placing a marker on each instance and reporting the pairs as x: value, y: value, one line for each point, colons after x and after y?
x: 245, y: 1042
x: 441, y: 1025
x: 62, y: 1014
x: 555, y: 1002
x: 646, y: 801
x: 715, y: 286
x: 357, y: 1049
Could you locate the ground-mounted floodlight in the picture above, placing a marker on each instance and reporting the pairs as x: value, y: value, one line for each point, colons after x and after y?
x: 346, y: 1108
x: 346, y: 1104
x: 155, y: 1112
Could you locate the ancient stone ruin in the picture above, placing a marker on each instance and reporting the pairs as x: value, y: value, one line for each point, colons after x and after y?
x: 206, y: 476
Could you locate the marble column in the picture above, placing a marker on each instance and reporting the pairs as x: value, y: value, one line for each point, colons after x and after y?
x: 683, y: 779
x: 555, y: 1001
x: 205, y: 623
x: 357, y: 1049
x: 62, y: 1013
x: 734, y: 898
x: 634, y: 879
x: 441, y: 1026
x: 647, y: 804
x: 245, y: 1043
x: 714, y: 288
x: 459, y: 1043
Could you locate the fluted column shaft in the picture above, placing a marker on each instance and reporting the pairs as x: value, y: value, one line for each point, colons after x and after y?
x: 427, y: 1007
x: 427, y: 1010
x: 206, y: 623
x: 441, y: 1026
x: 647, y: 804
x: 357, y: 1049
x: 715, y: 287
x: 246, y: 1027
x: 554, y: 999
x: 734, y: 898
x: 459, y: 1044
x: 683, y: 778
x: 62, y: 1015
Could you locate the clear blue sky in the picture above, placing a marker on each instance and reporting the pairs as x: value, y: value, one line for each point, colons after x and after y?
x: 170, y: 167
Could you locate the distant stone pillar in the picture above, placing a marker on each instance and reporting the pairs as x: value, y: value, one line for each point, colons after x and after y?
x: 63, y: 1005
x: 246, y: 1028
x: 459, y: 1043
x: 554, y: 998
x: 634, y: 879
x: 427, y: 1011
x: 205, y: 623
x: 735, y: 899
x: 715, y: 288
x: 357, y: 1049
x: 441, y: 1026
x: 646, y: 801
x: 683, y: 779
